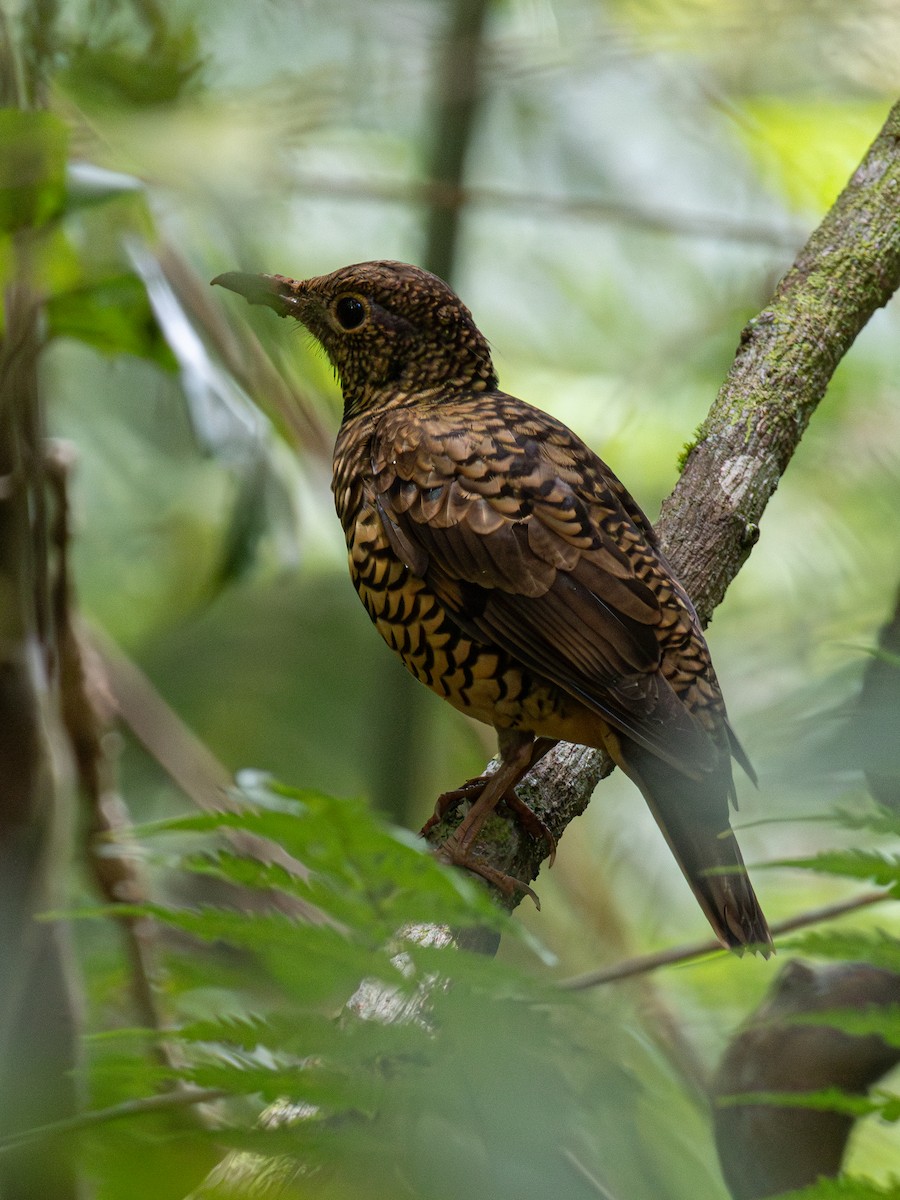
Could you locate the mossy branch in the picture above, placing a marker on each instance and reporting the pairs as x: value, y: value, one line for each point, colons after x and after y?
x: 849, y: 268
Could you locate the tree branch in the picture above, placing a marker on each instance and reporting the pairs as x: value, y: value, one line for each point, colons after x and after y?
x: 849, y: 268
x: 787, y: 355
x: 643, y: 964
x: 458, y: 95
x: 38, y: 1005
x: 652, y: 219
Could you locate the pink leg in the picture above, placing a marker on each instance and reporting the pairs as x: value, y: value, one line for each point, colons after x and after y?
x: 518, y: 753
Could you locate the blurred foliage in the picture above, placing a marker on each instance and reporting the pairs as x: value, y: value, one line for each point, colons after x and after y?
x: 802, y: 154
x: 405, y: 1061
x: 845, y: 1188
x: 640, y: 175
x: 444, y: 1065
x: 32, y: 169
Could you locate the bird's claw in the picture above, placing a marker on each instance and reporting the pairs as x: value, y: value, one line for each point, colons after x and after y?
x: 470, y: 790
x: 457, y: 856
x: 448, y: 801
x: 532, y: 823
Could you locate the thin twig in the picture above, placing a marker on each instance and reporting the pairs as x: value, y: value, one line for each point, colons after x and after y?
x: 589, y: 1178
x: 645, y: 963
x: 458, y: 95
x: 679, y: 223
x: 183, y: 1098
x: 86, y: 715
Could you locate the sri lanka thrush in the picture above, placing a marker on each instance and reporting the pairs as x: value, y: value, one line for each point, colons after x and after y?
x: 513, y: 573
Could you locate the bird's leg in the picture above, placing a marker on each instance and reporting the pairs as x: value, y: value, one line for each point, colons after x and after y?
x: 515, y: 760
x: 527, y: 817
x: 449, y: 801
x: 472, y: 789
x: 518, y: 752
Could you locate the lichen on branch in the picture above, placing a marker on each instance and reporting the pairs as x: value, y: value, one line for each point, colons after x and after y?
x: 849, y: 268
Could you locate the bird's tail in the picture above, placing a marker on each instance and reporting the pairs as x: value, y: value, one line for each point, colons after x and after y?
x: 693, y: 816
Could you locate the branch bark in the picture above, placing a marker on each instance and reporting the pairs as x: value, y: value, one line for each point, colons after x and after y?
x: 849, y: 268
x: 38, y: 1009
x: 787, y: 355
x: 458, y: 95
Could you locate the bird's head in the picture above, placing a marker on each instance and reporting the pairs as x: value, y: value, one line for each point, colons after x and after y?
x: 390, y: 330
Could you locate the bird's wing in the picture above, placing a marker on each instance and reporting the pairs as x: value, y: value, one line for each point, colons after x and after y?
x: 520, y: 531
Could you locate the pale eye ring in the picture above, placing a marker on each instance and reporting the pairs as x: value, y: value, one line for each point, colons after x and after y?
x: 350, y: 312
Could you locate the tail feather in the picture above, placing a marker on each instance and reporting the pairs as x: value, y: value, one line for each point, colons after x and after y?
x: 693, y: 817
x: 739, y: 755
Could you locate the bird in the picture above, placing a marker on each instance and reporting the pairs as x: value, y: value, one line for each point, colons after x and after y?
x: 514, y: 574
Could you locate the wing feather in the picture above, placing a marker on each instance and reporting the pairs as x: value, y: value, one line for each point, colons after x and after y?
x: 526, y: 560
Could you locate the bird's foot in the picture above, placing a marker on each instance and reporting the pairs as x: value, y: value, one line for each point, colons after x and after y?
x: 518, y: 753
x: 447, y: 802
x: 529, y: 820
x: 453, y: 853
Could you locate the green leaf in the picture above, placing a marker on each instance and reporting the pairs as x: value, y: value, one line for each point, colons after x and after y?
x: 114, y: 315
x: 386, y: 1042
x: 853, y: 864
x: 879, y: 820
x: 823, y: 1100
x: 877, y: 948
x: 131, y: 73
x: 882, y: 1020
x: 345, y: 1043
x: 308, y: 1083
x: 846, y: 1189
x: 32, y: 168
x: 315, y: 963
x: 357, y: 869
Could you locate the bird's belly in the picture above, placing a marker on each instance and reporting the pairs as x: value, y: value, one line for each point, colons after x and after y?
x: 481, y: 681
x: 410, y: 618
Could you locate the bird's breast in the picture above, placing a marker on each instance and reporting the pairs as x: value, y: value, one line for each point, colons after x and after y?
x: 479, y: 680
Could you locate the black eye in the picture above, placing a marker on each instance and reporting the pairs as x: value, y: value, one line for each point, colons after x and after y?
x: 350, y: 312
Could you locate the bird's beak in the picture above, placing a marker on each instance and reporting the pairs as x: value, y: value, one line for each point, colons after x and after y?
x: 285, y: 296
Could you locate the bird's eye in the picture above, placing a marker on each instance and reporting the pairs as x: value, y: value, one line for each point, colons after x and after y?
x: 350, y: 312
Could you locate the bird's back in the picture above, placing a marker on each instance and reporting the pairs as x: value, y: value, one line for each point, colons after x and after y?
x: 464, y: 512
